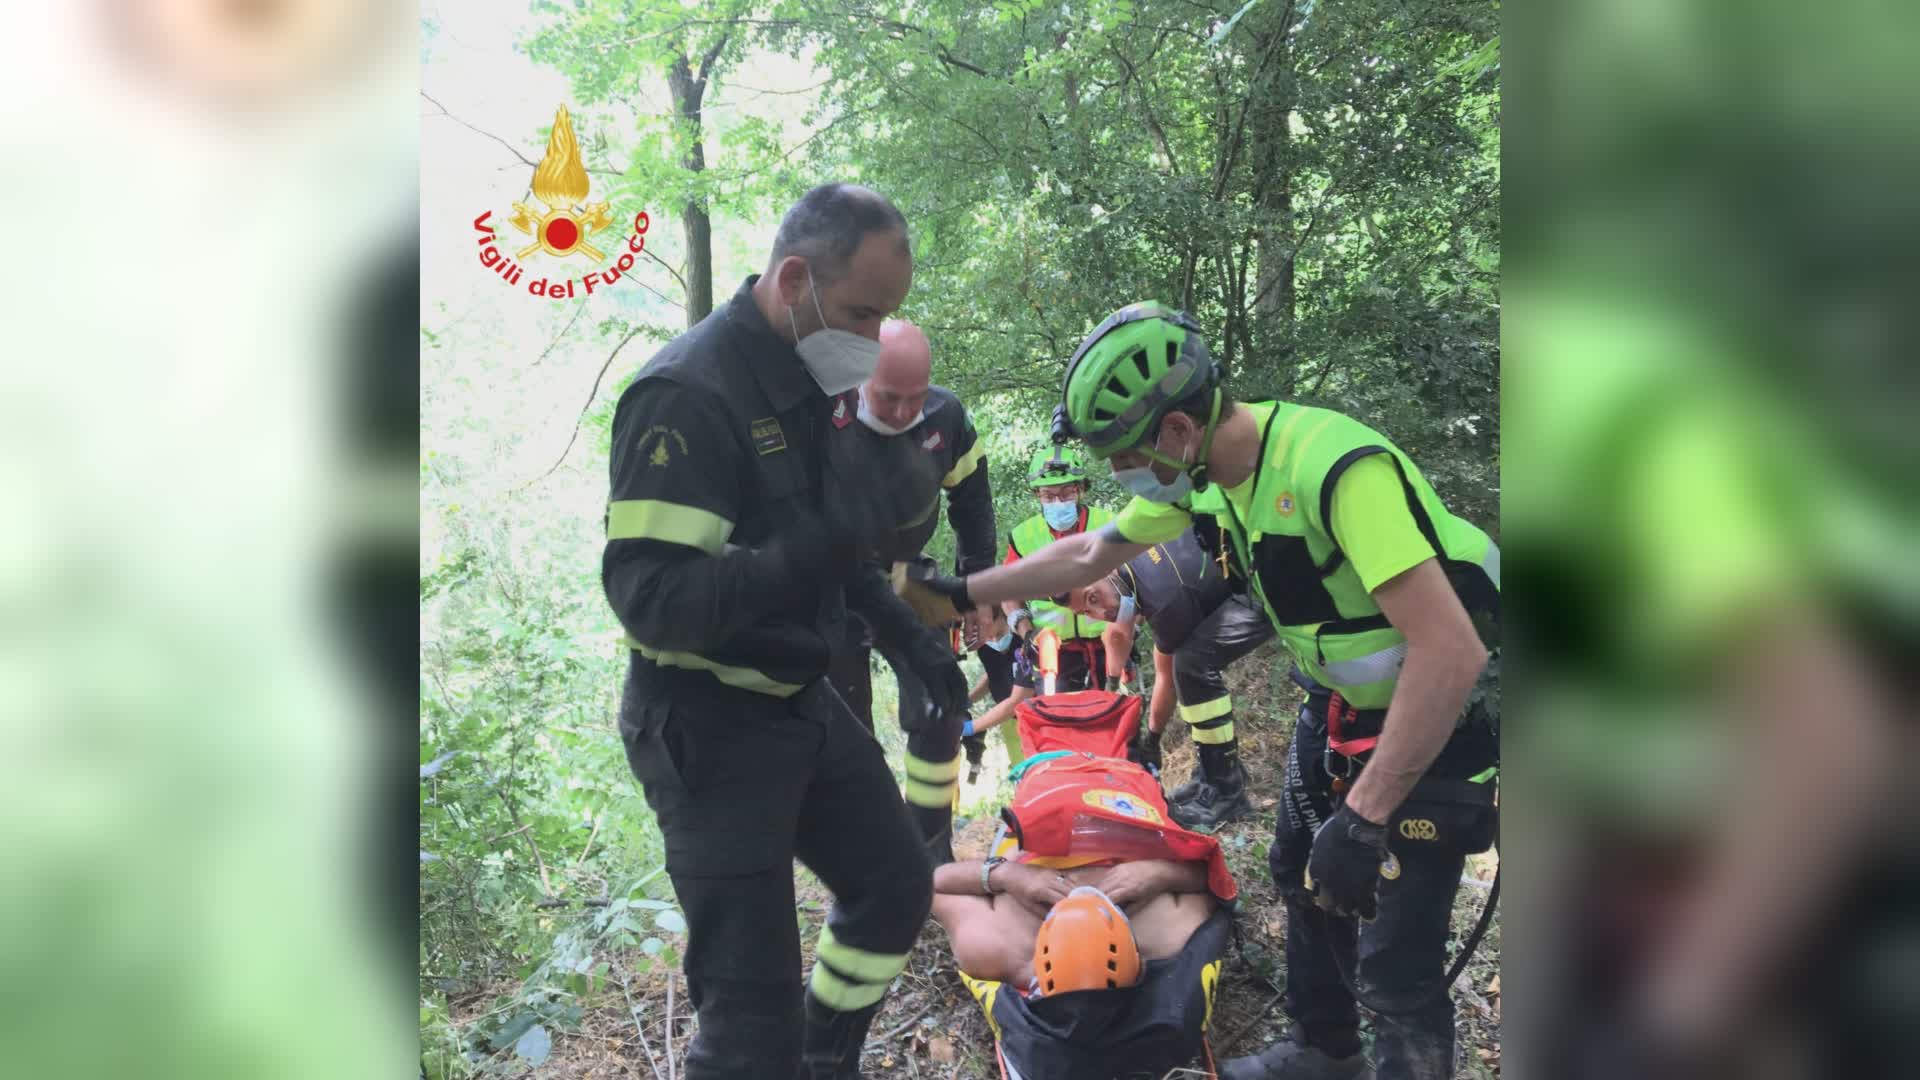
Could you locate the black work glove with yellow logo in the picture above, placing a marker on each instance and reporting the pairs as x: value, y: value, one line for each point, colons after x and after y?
x: 1348, y: 859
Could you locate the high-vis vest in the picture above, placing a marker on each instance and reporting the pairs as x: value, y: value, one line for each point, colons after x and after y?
x: 1030, y: 536
x: 1298, y: 574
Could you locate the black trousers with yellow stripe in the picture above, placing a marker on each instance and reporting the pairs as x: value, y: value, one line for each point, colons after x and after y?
x: 1235, y: 629
x: 932, y: 763
x: 743, y: 784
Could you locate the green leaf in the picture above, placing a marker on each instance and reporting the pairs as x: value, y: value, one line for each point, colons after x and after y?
x: 652, y: 946
x: 671, y: 921
x: 535, y: 1045
x: 513, y: 1029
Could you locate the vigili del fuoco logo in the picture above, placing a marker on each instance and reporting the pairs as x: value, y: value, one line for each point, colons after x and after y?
x: 561, y: 226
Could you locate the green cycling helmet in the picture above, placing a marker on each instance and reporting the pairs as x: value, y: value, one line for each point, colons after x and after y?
x: 1056, y: 465
x: 1140, y: 362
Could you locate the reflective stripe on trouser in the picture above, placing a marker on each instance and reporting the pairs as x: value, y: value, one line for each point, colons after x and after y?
x: 847, y: 978
x: 1210, y: 722
x: 1199, y: 668
x: 932, y: 783
x: 735, y: 812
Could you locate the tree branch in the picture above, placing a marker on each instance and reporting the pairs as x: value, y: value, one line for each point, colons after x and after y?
x: 510, y: 147
x: 578, y: 420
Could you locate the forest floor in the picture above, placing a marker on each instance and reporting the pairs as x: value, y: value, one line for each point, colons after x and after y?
x: 931, y: 1028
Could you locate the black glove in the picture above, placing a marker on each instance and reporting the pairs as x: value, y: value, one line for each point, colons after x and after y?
x: 1146, y: 748
x: 925, y: 579
x: 932, y: 662
x: 1344, y: 869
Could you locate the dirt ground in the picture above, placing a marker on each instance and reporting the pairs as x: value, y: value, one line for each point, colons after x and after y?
x: 930, y: 1026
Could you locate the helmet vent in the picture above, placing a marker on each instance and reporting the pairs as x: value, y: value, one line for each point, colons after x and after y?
x: 1139, y: 359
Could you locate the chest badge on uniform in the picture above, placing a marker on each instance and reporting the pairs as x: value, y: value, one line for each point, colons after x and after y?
x: 767, y: 436
x: 932, y: 442
x: 1284, y: 504
x: 843, y: 411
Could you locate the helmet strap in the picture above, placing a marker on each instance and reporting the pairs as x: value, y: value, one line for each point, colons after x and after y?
x: 1196, y: 469
x: 1199, y: 472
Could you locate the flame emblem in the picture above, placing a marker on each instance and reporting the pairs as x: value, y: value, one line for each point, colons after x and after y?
x: 561, y: 184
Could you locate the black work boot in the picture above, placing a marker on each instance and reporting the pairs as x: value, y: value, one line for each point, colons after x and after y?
x: 1191, y: 789
x: 976, y: 748
x: 1223, y: 794
x: 834, y: 1040
x: 1293, y: 1059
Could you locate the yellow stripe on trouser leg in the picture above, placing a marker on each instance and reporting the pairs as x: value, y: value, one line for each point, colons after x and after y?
x: 847, y: 978
x: 984, y: 991
x: 1210, y: 722
x: 932, y: 784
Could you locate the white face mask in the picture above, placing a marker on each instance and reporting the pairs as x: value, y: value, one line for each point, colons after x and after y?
x: 1143, y: 483
x: 838, y: 360
x: 881, y: 426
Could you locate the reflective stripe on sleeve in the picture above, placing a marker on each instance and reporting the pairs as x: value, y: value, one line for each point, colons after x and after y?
x: 656, y: 519
x: 964, y: 467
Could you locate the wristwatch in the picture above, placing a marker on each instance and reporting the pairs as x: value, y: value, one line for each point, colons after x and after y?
x: 986, y: 869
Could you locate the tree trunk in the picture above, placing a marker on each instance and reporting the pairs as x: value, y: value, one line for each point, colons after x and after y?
x: 1272, y: 143
x: 695, y: 224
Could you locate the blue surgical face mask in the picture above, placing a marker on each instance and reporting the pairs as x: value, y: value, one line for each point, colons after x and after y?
x: 1002, y: 643
x: 1060, y: 515
x: 1126, y: 608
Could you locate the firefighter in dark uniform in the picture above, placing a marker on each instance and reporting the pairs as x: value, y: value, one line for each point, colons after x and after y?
x: 895, y: 426
x: 732, y: 552
x: 1202, y: 620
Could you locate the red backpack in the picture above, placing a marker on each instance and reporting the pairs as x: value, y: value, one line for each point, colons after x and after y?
x: 1090, y: 721
x: 1082, y: 805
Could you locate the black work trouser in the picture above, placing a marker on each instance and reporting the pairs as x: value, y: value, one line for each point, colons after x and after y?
x: 743, y: 784
x: 1235, y: 629
x: 851, y: 670
x: 931, y: 748
x: 1396, y: 960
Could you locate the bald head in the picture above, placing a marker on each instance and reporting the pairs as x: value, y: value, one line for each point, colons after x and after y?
x: 898, y: 389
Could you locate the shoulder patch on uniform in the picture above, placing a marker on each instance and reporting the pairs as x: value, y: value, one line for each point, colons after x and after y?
x: 665, y: 442
x: 767, y: 436
x: 845, y: 409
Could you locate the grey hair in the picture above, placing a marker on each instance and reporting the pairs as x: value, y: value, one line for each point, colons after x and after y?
x: 827, y: 225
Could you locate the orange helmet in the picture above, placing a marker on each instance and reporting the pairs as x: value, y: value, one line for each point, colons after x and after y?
x: 1086, y: 943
